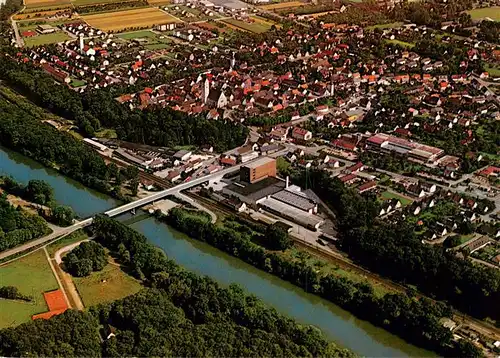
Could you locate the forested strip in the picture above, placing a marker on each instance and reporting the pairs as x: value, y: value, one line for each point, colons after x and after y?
x: 185, y: 315
x: 90, y: 111
x: 415, y: 320
x: 17, y: 226
x: 27, y: 135
x: 396, y: 252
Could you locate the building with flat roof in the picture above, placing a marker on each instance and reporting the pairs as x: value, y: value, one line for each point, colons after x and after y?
x: 382, y: 142
x: 45, y: 29
x: 260, y: 169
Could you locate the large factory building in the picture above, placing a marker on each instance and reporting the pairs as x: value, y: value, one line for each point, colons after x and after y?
x: 258, y: 170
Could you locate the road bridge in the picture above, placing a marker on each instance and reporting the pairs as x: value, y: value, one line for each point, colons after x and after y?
x: 136, y: 204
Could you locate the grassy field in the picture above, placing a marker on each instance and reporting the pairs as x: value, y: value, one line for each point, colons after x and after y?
x: 122, y: 20
x: 46, y: 39
x: 392, y: 25
x: 107, y: 285
x: 137, y: 35
x: 297, y: 254
x: 76, y: 236
x: 257, y: 27
x: 281, y: 5
x: 32, y: 276
x: 493, y: 71
x: 400, y: 43
x: 387, y: 195
x: 491, y: 12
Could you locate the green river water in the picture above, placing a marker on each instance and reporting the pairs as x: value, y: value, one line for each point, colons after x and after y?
x: 337, y: 324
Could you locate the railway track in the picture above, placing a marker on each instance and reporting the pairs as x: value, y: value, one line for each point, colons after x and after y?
x: 474, y: 323
x: 344, y: 263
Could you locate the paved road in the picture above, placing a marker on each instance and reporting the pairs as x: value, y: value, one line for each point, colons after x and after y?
x: 120, y: 210
x: 62, y: 232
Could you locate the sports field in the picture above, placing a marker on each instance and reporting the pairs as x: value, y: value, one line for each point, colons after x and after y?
x: 107, y: 285
x: 121, y: 20
x: 281, y: 5
x: 491, y: 12
x: 32, y: 276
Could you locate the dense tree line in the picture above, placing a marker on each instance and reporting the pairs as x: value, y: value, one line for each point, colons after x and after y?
x: 150, y: 323
x: 90, y: 111
x: 84, y: 259
x: 12, y: 293
x: 204, y: 301
x: 396, y: 251
x: 10, y: 7
x: 40, y: 192
x: 416, y: 320
x: 72, y: 334
x: 18, y: 226
x: 28, y: 136
x: 37, y: 191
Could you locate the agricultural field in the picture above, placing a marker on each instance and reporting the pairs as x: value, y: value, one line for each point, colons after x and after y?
x: 96, y: 2
x: 219, y: 26
x: 33, y: 276
x: 491, y: 12
x: 38, y: 15
x: 46, y: 39
x: 110, y: 284
x: 281, y: 5
x: 159, y: 2
x: 128, y: 19
x: 258, y: 26
x: 45, y: 3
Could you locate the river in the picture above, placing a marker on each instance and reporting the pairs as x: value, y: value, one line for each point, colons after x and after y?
x: 337, y: 324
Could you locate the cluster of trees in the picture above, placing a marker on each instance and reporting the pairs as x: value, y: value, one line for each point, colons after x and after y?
x: 88, y: 9
x: 87, y: 257
x: 18, y: 226
x: 12, y: 293
x: 416, y: 320
x: 249, y: 327
x: 154, y: 126
x: 23, y: 133
x: 40, y: 192
x: 397, y: 252
x: 489, y: 31
x: 37, y: 191
x: 192, y: 317
x: 9, y: 7
x: 72, y: 334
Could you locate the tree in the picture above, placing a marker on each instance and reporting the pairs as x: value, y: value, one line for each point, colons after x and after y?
x: 63, y: 215
x: 452, y: 241
x: 39, y: 191
x: 277, y: 237
x: 85, y: 258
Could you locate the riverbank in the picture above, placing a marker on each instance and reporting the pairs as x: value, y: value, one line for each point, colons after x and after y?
x: 339, y: 325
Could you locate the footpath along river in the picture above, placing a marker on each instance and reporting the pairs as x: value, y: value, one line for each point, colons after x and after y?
x: 338, y: 325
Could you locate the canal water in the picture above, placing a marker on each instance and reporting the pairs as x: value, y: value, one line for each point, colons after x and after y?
x: 337, y: 324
